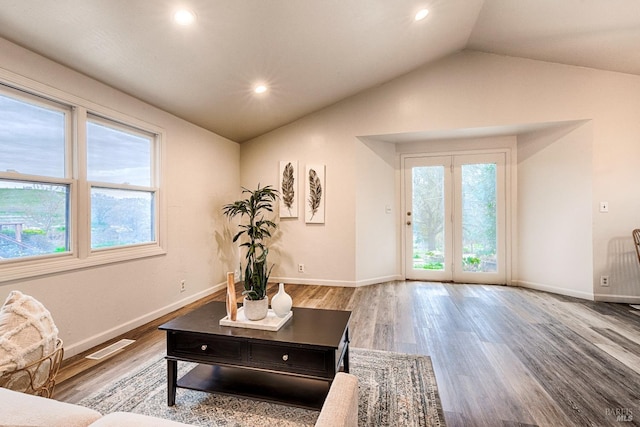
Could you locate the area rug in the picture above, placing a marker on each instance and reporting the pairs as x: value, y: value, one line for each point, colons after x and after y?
x: 394, y: 390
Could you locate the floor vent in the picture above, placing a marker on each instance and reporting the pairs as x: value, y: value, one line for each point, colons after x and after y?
x: 109, y: 350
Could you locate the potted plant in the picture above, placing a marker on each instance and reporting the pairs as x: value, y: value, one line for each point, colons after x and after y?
x: 256, y: 272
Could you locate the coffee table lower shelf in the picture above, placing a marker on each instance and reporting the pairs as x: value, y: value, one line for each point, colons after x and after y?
x: 267, y: 386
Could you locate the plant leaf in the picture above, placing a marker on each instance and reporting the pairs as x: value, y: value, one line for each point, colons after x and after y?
x: 253, y: 206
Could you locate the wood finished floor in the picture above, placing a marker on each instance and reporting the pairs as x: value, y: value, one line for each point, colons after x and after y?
x: 502, y: 356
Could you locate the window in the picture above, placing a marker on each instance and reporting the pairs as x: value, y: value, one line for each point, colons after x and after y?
x: 79, y: 185
x: 34, y: 191
x: 119, y: 169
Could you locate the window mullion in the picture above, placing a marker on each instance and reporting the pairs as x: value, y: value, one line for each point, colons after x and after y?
x: 82, y: 217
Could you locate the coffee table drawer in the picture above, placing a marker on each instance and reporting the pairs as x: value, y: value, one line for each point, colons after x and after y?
x: 201, y: 346
x: 290, y: 359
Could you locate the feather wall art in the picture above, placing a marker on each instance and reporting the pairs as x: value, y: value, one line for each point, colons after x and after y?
x: 316, y: 194
x: 288, y: 189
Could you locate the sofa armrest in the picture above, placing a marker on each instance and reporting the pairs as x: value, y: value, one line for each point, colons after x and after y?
x: 20, y: 409
x: 340, y: 408
x: 122, y: 419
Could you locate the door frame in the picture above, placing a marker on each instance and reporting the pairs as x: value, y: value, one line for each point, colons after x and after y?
x: 510, y: 241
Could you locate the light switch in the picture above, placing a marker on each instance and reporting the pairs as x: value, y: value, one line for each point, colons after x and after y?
x: 604, y: 206
x: 387, y: 209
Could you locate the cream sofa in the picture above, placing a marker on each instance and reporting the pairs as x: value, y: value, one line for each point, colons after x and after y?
x: 340, y: 409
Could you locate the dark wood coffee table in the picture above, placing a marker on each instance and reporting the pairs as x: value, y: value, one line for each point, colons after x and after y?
x: 294, y: 365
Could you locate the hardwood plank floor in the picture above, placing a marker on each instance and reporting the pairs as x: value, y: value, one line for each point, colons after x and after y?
x: 502, y: 356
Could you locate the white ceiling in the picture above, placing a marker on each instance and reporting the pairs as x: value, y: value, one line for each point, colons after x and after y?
x: 311, y: 53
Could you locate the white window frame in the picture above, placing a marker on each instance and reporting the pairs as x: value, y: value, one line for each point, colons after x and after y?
x: 154, y: 178
x: 80, y: 255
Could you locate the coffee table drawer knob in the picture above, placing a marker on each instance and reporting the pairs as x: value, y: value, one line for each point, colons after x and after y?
x: 285, y: 357
x: 204, y: 347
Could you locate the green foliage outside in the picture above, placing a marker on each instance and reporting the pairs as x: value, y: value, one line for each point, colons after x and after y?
x: 438, y: 266
x: 428, y: 260
x: 33, y: 232
x: 119, y: 221
x: 37, y: 213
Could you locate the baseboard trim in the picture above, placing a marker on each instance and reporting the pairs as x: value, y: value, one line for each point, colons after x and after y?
x: 86, y: 344
x: 623, y: 299
x: 554, y: 289
x: 319, y: 282
x: 376, y: 280
x: 346, y: 284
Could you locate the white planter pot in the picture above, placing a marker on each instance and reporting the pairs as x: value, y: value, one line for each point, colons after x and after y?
x: 255, y: 309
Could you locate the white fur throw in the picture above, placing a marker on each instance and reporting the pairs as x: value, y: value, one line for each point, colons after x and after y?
x: 27, y: 332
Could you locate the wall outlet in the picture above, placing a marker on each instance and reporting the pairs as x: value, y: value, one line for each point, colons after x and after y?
x: 604, y: 281
x: 183, y: 285
x: 300, y: 268
x: 604, y: 207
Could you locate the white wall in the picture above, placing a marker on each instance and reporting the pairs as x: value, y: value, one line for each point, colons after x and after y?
x: 471, y: 90
x: 377, y: 212
x: 555, y: 189
x: 202, y: 173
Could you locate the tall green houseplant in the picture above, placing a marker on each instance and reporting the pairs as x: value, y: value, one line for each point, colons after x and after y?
x: 254, y: 207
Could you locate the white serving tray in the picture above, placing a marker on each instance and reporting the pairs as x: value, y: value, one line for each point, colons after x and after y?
x: 269, y: 323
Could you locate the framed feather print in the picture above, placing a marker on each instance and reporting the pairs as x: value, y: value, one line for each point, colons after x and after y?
x: 288, y: 189
x: 315, y: 194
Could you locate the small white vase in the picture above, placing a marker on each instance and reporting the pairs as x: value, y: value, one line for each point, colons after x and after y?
x: 281, y: 302
x: 255, y: 309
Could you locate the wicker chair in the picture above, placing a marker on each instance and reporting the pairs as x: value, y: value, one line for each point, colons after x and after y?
x: 39, y: 377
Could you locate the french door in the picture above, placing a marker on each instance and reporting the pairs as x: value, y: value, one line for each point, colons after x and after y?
x: 455, y: 218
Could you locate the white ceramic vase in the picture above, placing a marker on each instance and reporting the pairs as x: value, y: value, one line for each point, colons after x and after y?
x: 255, y: 309
x: 281, y: 302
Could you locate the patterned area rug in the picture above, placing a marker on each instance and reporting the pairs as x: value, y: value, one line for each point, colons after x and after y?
x: 394, y: 390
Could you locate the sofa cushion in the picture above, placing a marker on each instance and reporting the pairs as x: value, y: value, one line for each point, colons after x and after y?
x: 27, y: 332
x: 120, y: 419
x: 19, y: 409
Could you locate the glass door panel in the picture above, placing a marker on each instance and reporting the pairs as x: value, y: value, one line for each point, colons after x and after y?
x: 479, y: 218
x: 428, y: 218
x: 429, y: 230
x: 479, y: 209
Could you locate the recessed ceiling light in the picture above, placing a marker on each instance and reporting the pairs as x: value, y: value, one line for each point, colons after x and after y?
x: 184, y: 17
x: 260, y: 89
x: 422, y: 13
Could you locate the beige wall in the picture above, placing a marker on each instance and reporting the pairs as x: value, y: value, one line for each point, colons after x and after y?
x: 377, y: 213
x: 326, y: 250
x: 359, y: 242
x: 202, y: 173
x: 555, y: 186
x: 474, y: 90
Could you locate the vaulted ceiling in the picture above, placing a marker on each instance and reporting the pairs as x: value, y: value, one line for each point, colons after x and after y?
x: 309, y: 53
